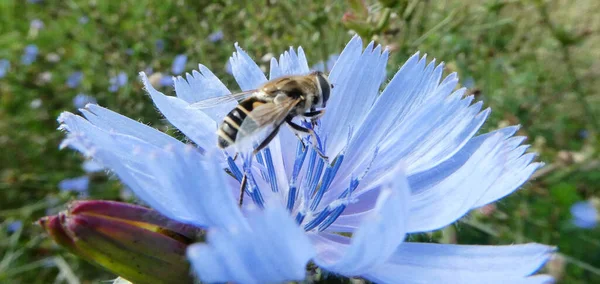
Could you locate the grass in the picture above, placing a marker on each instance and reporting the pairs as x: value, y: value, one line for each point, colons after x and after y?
x: 535, y: 63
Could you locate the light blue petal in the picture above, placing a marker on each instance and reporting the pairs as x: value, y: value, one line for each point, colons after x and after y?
x: 423, y: 140
x: 289, y: 64
x: 471, y: 178
x: 111, y: 121
x: 247, y: 74
x: 91, y: 166
x: 441, y: 263
x: 174, y: 179
x: 195, y: 124
x: 413, y: 113
x: 475, y: 179
x: 270, y: 249
x: 356, y: 77
x: 378, y: 236
x: 202, y: 85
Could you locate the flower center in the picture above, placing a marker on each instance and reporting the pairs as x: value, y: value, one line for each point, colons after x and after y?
x: 305, y: 195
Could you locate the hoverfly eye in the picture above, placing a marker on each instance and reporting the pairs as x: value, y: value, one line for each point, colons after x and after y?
x: 325, y: 89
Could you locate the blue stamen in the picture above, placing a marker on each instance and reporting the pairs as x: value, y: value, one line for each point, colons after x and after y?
x: 292, y: 194
x: 291, y: 198
x: 234, y: 169
x: 315, y: 178
x: 299, y: 218
x: 340, y: 209
x: 259, y: 158
x: 261, y: 161
x: 326, y: 182
x: 311, y: 165
x: 271, y: 170
x: 332, y: 217
x: 299, y: 161
x: 252, y: 188
x: 317, y: 220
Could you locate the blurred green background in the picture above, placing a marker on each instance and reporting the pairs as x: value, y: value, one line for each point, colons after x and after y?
x: 535, y: 63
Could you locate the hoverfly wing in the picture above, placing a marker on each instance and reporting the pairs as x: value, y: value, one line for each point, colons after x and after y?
x: 211, y: 102
x: 262, y: 121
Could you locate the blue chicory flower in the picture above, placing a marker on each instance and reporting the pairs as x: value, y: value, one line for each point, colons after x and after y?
x: 78, y: 184
x: 84, y: 20
x: 405, y: 160
x: 36, y: 24
x: 80, y: 100
x: 14, y: 226
x: 160, y: 45
x: 165, y: 81
x: 326, y: 66
x: 74, y: 79
x: 29, y: 54
x: 179, y: 64
x: 4, y: 67
x: 216, y: 36
x: 585, y: 215
x: 117, y: 82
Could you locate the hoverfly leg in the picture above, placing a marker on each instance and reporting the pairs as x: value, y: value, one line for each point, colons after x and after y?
x: 314, y: 115
x: 297, y: 128
x: 242, y: 189
x: 267, y: 140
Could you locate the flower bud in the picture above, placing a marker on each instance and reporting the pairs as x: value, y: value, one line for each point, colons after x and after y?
x: 134, y: 242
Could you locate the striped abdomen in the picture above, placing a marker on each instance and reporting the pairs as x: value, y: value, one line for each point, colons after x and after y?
x: 228, y: 130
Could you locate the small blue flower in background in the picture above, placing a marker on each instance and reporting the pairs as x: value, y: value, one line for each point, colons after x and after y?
x: 78, y: 184
x: 469, y: 82
x: 14, y: 226
x: 585, y: 214
x: 4, y: 67
x: 80, y: 100
x: 74, y: 79
x: 117, y: 82
x: 177, y: 68
x: 84, y: 20
x: 36, y: 24
x: 216, y: 36
x: 179, y: 64
x: 160, y: 45
x: 402, y: 161
x: 326, y: 66
x: 29, y: 54
x: 166, y: 81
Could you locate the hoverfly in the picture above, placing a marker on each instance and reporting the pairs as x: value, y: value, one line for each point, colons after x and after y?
x: 257, y: 118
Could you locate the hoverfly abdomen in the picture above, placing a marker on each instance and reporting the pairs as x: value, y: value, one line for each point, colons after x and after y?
x: 229, y: 129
